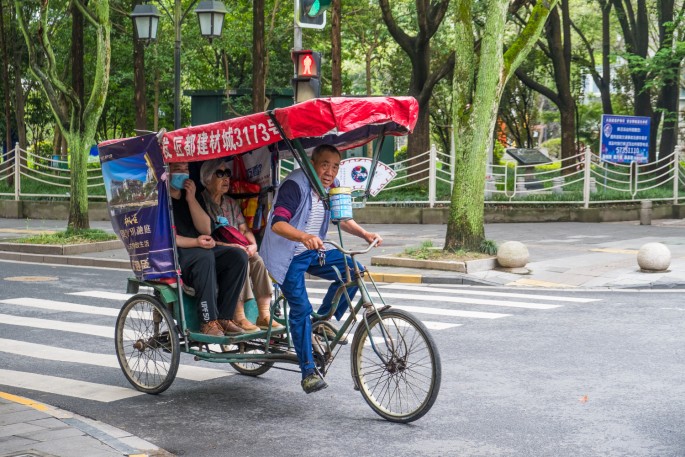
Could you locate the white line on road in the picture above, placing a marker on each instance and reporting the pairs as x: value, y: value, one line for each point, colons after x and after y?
x: 61, y: 306
x: 458, y: 300
x: 103, y: 294
x: 51, y: 324
x: 63, y: 386
x: 487, y: 293
x: 57, y: 354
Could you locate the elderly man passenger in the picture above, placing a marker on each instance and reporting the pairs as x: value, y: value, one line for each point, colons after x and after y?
x: 216, y: 176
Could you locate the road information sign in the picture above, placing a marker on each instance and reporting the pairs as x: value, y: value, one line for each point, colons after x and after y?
x: 625, y: 139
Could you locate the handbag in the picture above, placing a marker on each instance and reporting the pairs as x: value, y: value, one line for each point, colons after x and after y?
x: 230, y: 235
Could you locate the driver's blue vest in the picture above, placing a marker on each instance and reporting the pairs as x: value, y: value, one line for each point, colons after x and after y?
x: 278, y: 252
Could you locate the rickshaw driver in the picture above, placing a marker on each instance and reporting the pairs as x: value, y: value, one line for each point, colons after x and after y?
x: 293, y: 245
x: 204, y: 265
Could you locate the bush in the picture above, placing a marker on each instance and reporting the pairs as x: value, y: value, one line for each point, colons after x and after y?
x: 497, y: 153
x: 401, y: 154
x: 553, y: 147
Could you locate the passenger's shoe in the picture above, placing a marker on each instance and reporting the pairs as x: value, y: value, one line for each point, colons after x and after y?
x: 313, y: 383
x: 246, y: 325
x: 264, y: 324
x: 230, y: 328
x: 211, y: 328
x: 330, y: 330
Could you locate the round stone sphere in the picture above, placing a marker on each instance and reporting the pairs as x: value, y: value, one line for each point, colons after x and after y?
x: 654, y: 257
x: 512, y: 254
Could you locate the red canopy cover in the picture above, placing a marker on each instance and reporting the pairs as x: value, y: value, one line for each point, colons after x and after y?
x: 344, y: 122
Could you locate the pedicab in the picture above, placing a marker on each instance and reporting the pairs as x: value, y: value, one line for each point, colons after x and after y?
x: 395, y: 363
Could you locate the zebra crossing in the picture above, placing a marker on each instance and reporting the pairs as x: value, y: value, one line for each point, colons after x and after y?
x: 441, y: 309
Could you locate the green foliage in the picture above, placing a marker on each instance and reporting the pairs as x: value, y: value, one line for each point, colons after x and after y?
x: 497, y: 153
x: 69, y: 236
x: 401, y: 154
x: 553, y: 147
x: 422, y: 252
x: 488, y: 247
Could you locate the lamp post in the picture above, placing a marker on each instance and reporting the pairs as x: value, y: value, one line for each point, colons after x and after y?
x: 210, y: 14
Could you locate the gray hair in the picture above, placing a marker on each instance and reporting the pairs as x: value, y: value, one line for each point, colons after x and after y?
x: 207, y: 170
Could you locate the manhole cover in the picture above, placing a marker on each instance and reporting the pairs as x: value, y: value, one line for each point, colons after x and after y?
x: 32, y: 278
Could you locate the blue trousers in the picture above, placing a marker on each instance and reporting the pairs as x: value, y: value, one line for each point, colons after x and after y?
x: 295, y: 292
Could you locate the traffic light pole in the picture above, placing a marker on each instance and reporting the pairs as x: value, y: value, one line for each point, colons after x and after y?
x: 297, y: 41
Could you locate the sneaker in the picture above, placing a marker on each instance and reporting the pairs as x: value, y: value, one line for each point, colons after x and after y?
x: 229, y: 327
x: 313, y: 383
x: 211, y: 328
x: 330, y: 331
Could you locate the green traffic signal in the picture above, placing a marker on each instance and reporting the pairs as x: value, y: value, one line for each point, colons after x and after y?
x: 314, y: 8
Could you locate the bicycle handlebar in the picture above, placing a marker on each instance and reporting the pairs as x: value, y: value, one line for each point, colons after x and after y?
x: 345, y: 251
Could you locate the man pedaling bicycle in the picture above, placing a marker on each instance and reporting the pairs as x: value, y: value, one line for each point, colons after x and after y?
x: 293, y: 245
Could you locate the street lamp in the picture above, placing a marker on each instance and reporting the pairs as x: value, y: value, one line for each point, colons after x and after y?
x: 145, y: 18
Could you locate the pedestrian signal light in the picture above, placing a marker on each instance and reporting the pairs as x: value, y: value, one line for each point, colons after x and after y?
x: 306, y: 82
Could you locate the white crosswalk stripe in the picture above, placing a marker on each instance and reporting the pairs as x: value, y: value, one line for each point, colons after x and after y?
x: 442, y: 304
x: 64, y: 386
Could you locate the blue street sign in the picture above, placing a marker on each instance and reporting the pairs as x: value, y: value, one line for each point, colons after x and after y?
x: 624, y: 139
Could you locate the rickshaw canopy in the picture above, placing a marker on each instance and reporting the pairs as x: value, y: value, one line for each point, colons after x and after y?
x: 341, y: 121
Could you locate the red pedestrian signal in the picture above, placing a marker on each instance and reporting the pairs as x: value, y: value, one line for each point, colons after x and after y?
x: 307, y: 70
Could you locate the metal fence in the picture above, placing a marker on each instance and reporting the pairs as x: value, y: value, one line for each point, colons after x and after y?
x: 424, y: 180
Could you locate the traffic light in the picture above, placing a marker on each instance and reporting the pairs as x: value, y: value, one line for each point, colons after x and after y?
x: 310, y: 13
x: 306, y: 82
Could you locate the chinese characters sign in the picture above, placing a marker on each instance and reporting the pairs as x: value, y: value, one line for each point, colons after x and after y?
x: 134, y: 177
x: 625, y: 139
x: 233, y: 136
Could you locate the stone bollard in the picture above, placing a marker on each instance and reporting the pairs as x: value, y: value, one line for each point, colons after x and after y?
x: 646, y: 212
x: 653, y: 257
x: 558, y: 185
x: 520, y: 184
x: 593, y: 186
x: 513, y: 256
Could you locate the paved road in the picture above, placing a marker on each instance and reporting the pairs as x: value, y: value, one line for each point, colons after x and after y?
x: 525, y: 373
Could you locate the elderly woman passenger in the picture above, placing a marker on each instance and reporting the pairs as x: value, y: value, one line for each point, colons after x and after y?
x: 216, y: 177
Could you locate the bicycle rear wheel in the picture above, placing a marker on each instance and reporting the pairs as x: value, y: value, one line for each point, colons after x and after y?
x: 399, y: 375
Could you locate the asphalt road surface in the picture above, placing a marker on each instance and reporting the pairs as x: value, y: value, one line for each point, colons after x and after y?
x: 524, y: 373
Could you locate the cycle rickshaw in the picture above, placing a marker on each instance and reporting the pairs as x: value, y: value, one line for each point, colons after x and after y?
x: 394, y: 361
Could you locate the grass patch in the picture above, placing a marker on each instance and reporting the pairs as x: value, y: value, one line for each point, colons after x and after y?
x: 68, y: 237
x: 428, y: 252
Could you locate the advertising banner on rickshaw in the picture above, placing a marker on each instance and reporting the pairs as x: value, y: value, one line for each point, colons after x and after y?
x: 133, y: 172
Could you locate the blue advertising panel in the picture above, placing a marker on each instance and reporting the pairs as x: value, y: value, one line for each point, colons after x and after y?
x: 625, y: 139
x: 133, y: 171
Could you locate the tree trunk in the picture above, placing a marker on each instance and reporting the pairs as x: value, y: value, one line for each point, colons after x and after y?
x: 139, y: 96
x: 19, y: 100
x: 258, y: 83
x: 605, y: 84
x: 78, y: 209
x: 5, y: 80
x: 336, y: 49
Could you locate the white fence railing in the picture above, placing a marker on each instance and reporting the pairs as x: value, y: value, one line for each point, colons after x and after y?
x: 423, y: 180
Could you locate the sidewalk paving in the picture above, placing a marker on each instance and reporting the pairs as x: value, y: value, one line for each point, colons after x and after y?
x: 31, y: 429
x: 562, y: 255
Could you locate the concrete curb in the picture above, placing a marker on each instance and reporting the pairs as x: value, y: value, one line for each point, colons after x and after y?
x: 118, y: 440
x: 67, y: 249
x: 466, y: 266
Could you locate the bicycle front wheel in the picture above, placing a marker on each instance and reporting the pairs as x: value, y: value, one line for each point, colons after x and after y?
x: 396, y: 365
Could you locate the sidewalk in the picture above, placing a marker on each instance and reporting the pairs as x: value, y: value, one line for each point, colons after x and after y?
x: 30, y: 429
x: 562, y: 254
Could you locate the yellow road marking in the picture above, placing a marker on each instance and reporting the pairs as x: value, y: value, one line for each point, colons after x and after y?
x: 395, y: 277
x: 24, y: 401
x: 615, y: 251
